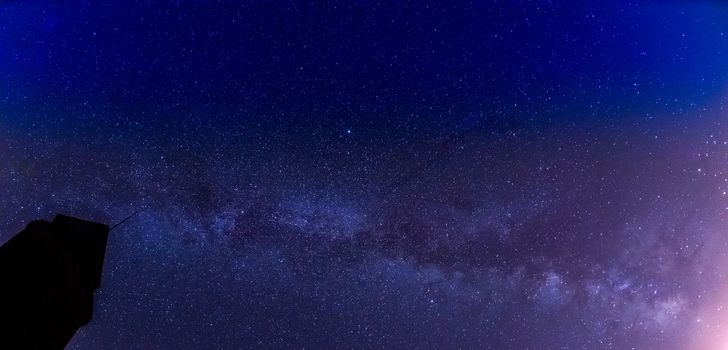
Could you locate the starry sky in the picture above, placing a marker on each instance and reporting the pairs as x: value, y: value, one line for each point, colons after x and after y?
x: 380, y: 175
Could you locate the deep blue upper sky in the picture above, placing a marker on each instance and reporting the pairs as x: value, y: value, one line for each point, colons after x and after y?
x: 378, y: 175
x: 363, y: 64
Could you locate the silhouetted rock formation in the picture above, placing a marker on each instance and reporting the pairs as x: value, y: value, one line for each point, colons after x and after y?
x: 48, y: 274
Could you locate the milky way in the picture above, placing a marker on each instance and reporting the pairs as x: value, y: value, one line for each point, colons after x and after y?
x: 531, y: 175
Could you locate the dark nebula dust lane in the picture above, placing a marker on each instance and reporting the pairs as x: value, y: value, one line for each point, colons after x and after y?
x: 366, y: 175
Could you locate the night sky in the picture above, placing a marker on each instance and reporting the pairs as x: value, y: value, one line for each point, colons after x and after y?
x: 380, y: 175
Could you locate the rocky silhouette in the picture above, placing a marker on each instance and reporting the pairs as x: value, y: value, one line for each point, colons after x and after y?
x: 48, y: 275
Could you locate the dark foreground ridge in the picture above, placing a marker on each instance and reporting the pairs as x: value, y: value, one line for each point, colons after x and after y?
x: 48, y: 274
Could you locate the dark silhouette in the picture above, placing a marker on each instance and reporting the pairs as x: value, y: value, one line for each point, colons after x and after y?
x: 48, y: 274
